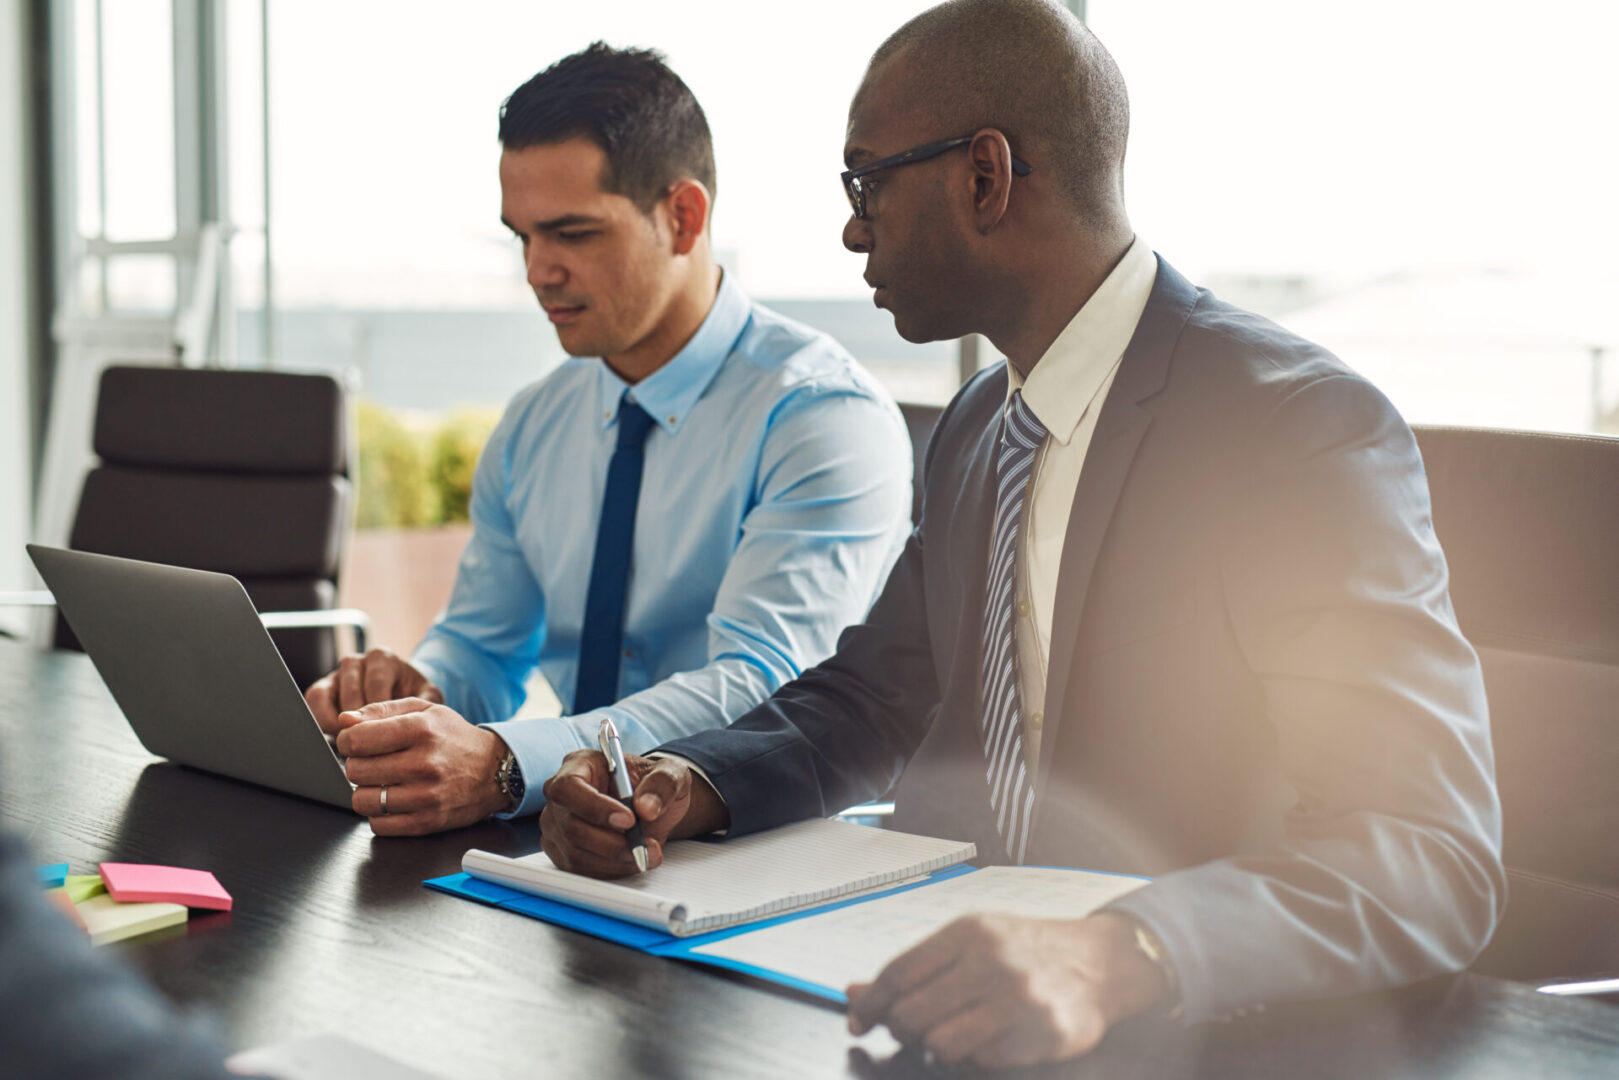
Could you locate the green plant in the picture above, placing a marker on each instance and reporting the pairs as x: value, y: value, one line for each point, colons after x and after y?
x: 453, y: 457
x: 416, y: 471
x: 392, y: 472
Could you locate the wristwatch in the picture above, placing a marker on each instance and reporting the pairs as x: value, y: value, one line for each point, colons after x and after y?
x: 1148, y: 944
x: 509, y: 778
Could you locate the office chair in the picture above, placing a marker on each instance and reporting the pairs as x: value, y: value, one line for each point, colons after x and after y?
x: 241, y: 472
x: 1530, y: 523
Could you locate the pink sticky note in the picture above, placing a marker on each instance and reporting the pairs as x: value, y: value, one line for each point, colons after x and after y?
x: 128, y: 882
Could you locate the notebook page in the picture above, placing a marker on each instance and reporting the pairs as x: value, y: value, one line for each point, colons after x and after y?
x: 808, y: 862
x: 852, y: 944
x: 703, y: 886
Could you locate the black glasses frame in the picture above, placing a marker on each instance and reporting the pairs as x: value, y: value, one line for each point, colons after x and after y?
x: 856, y: 191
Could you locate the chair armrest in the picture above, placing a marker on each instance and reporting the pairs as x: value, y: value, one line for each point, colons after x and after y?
x: 27, y: 598
x: 273, y: 620
x: 354, y: 618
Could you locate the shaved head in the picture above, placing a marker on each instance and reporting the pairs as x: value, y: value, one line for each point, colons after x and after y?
x: 1028, y: 68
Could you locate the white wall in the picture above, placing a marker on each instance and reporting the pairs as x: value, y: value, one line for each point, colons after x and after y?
x: 16, y: 298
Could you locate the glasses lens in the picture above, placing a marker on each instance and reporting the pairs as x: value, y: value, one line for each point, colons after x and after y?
x: 857, y: 199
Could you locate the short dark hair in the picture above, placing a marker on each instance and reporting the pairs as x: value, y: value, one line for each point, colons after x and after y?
x: 626, y: 101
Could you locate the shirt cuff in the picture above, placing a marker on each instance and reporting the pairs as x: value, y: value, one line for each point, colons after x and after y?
x: 659, y: 755
x: 540, y: 744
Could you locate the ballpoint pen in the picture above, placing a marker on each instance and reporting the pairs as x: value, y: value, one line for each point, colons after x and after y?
x: 607, y: 737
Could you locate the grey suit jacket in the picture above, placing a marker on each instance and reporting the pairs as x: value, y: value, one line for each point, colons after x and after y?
x: 1257, y: 689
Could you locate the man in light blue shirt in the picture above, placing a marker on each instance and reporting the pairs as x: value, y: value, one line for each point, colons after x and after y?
x: 680, y: 519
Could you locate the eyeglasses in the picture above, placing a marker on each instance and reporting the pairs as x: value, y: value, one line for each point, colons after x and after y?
x: 856, y: 191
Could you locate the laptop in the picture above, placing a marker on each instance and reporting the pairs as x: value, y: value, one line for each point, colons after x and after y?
x: 194, y: 670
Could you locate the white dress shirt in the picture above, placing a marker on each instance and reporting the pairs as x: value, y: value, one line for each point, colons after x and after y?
x: 1065, y: 390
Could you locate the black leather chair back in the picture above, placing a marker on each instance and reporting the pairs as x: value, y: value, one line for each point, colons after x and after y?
x: 1530, y: 527
x: 242, y: 472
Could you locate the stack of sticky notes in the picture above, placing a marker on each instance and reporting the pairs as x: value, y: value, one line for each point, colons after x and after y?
x: 126, y: 900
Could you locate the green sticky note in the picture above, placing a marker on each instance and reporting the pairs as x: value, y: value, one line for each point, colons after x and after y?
x: 81, y: 887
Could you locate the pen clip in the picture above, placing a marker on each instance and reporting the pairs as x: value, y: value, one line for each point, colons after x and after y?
x: 606, y: 735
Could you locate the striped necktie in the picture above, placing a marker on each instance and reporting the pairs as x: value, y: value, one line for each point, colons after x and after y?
x: 1011, y: 795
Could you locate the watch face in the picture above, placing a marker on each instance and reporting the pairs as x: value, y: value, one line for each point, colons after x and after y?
x: 514, y: 781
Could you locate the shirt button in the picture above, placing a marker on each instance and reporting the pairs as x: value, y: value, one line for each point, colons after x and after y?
x: 630, y: 397
x: 1023, y: 607
x: 608, y: 415
x: 1036, y: 720
x: 672, y: 419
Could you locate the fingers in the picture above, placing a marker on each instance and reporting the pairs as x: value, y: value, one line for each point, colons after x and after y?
x: 414, y: 809
x: 914, y: 1015
x: 378, y: 675
x: 350, y: 682
x: 382, y: 728
x: 662, y: 796
x: 580, y: 786
x: 968, y: 1034
x: 582, y: 827
x: 321, y: 698
x: 903, y: 974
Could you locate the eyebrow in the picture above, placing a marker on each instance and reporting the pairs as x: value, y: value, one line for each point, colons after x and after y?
x: 566, y: 221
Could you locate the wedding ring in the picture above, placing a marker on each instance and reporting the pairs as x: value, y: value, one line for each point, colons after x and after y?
x: 384, y: 799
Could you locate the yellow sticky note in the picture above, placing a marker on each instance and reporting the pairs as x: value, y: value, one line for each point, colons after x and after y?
x: 109, y: 921
x: 81, y: 887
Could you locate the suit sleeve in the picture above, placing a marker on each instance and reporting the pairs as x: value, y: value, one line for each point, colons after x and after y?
x: 1388, y: 866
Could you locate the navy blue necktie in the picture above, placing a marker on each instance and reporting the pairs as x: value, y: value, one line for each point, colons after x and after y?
x: 603, y: 633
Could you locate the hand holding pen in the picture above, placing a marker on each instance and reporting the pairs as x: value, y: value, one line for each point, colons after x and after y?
x: 602, y: 805
x: 619, y: 773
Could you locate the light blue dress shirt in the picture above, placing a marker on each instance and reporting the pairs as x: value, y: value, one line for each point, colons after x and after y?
x: 775, y: 498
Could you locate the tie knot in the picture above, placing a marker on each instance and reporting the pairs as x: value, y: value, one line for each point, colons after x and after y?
x: 633, y: 422
x: 1022, y: 426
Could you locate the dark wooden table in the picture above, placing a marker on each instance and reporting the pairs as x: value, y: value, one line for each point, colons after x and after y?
x: 333, y: 931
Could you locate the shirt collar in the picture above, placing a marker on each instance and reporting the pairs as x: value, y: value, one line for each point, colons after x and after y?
x: 669, y: 393
x: 1065, y: 380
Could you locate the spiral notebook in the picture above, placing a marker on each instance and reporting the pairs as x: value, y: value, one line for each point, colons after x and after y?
x: 701, y: 887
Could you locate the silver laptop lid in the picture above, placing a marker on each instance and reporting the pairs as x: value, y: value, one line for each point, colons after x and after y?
x: 194, y: 670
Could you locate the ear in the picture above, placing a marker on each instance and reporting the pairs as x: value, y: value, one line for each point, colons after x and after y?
x: 990, y: 157
x: 687, y: 203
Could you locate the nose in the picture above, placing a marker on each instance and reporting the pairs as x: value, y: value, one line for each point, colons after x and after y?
x: 857, y: 235
x: 544, y: 272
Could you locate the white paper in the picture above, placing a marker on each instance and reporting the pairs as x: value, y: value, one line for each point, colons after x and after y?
x: 717, y: 884
x: 852, y: 944
x: 321, y: 1057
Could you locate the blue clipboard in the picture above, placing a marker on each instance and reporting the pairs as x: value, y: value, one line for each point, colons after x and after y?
x: 660, y: 942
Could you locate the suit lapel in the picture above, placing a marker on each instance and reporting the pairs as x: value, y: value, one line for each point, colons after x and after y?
x: 1142, y: 373
x: 972, y: 525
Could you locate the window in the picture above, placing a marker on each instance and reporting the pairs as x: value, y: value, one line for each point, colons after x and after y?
x: 1425, y: 189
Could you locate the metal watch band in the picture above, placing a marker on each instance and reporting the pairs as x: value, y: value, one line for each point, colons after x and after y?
x: 509, y: 778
